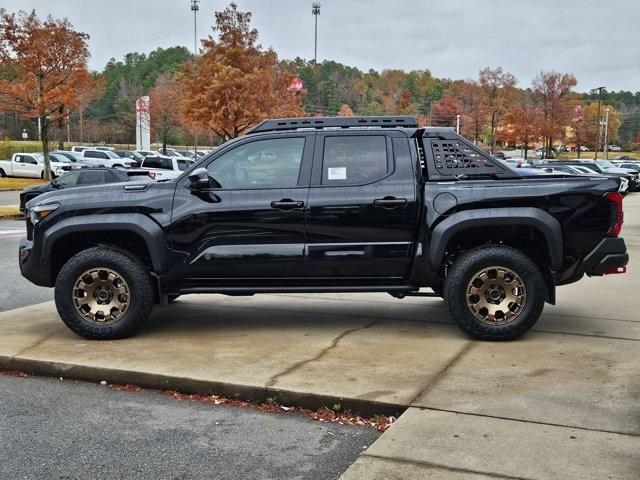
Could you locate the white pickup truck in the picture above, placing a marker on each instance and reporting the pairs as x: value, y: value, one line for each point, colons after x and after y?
x: 31, y: 165
x: 165, y: 168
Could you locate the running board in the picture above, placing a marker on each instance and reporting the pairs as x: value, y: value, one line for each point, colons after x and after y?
x: 237, y: 290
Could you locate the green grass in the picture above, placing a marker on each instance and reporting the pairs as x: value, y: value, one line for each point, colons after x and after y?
x: 19, y: 182
x: 7, y: 213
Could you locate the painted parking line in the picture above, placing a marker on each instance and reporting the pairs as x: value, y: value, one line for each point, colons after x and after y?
x: 13, y: 232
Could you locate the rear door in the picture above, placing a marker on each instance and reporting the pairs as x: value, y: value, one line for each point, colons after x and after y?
x: 361, y: 221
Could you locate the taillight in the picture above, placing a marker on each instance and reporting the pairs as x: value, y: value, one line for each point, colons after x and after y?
x: 617, y: 215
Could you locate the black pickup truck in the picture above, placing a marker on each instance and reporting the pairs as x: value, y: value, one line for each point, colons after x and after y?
x: 359, y: 204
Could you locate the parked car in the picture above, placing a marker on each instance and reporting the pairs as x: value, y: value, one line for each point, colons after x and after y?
x: 625, y: 157
x: 614, y: 148
x: 146, y: 153
x: 584, y: 148
x: 166, y: 168
x: 555, y: 168
x: 359, y: 204
x: 31, y: 165
x: 74, y: 158
x: 131, y: 155
x: 80, y: 148
x: 107, y: 158
x: 609, y: 168
x: 628, y: 165
x: 83, y: 178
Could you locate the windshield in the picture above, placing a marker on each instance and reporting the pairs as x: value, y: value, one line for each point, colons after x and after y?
x: 606, y: 164
x: 55, y: 157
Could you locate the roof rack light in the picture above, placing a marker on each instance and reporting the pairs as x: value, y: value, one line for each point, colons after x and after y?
x: 280, y: 124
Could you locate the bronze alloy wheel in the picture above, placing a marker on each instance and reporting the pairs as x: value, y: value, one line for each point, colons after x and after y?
x: 100, y: 295
x: 496, y: 295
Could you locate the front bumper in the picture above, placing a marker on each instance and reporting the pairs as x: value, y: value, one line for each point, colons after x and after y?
x: 31, y: 267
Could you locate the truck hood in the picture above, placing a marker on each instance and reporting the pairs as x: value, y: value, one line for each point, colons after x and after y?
x: 113, y: 196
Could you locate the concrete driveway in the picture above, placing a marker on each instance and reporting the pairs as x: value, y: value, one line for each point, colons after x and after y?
x: 562, y: 402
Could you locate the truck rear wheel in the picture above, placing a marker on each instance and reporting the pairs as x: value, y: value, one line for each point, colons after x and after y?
x: 104, y: 294
x: 495, y: 292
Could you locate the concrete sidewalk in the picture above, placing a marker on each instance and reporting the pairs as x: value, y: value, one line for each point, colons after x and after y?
x: 562, y: 402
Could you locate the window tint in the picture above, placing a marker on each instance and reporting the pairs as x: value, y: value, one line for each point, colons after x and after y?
x: 184, y: 165
x: 92, y: 177
x: 67, y: 180
x: 269, y: 163
x: 90, y: 154
x: 353, y: 160
x: 157, y: 162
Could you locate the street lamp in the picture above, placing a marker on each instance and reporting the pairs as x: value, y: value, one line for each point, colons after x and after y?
x: 194, y: 8
x: 315, y: 9
x: 599, y: 89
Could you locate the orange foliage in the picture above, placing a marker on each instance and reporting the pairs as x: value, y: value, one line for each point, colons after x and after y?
x: 45, y: 65
x: 345, y: 111
x: 235, y: 83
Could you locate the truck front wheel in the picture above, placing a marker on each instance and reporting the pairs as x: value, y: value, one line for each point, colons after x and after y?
x: 495, y: 292
x: 104, y: 294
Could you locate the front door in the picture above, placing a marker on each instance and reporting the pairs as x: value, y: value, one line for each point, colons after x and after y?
x: 361, y: 224
x: 249, y: 226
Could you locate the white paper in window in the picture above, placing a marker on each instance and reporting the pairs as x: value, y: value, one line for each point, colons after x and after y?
x: 337, y: 173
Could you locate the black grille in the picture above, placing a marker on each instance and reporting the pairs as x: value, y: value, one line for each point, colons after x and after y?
x: 453, y: 157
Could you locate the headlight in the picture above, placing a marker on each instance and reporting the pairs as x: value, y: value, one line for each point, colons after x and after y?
x: 41, y: 211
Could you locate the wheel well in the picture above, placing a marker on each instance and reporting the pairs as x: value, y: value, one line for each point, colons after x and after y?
x: 67, y: 246
x: 525, y: 238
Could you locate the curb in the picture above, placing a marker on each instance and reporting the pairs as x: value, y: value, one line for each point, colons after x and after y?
x: 11, y: 189
x: 250, y: 393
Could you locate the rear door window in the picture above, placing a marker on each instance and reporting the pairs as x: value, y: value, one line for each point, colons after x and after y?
x: 92, y: 177
x: 354, y: 159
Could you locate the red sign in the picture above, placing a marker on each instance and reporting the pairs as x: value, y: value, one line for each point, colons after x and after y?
x: 296, y: 85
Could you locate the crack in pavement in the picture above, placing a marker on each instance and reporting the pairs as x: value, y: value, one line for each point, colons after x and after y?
x: 465, y: 348
x: 334, y: 343
x: 35, y: 345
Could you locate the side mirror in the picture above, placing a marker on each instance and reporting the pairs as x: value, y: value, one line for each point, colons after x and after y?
x: 199, y: 178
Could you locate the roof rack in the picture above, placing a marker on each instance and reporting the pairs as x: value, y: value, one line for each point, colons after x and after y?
x: 279, y: 124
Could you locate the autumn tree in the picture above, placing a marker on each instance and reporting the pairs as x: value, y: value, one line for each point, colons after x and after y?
x: 472, y: 101
x: 555, y: 98
x: 235, y: 83
x: 520, y: 123
x: 345, y: 111
x: 164, y: 109
x: 47, y: 61
x: 498, y: 88
x: 444, y: 111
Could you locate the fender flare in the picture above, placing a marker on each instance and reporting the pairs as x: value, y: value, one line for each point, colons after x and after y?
x: 147, y: 229
x: 547, y: 225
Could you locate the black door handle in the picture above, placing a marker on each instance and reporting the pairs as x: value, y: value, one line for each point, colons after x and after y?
x: 389, y: 202
x: 287, y: 204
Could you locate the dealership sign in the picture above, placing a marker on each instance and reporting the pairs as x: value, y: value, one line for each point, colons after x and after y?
x: 296, y: 85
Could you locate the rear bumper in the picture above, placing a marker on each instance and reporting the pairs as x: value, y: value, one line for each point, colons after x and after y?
x: 609, y: 254
x: 606, y: 257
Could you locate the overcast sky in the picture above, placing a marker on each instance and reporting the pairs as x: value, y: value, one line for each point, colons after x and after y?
x: 598, y: 41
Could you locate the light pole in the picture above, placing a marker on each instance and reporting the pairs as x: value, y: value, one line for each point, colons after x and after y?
x: 195, y: 7
x: 599, y: 89
x: 315, y: 9
x: 606, y: 134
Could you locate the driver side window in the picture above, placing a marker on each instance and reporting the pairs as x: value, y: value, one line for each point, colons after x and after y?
x: 268, y: 163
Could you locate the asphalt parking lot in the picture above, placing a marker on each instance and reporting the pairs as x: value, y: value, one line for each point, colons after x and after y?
x: 563, y: 401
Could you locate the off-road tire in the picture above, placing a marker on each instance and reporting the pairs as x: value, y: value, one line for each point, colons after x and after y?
x: 466, y: 267
x: 129, y: 268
